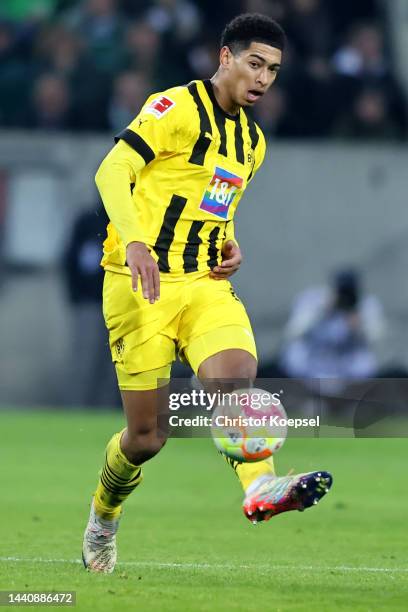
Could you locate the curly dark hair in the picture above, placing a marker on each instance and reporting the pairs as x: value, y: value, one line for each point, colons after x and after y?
x: 252, y: 27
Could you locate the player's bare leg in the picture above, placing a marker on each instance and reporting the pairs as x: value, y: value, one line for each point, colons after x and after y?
x: 122, y: 473
x: 266, y: 494
x: 229, y: 364
x: 240, y: 366
x: 143, y: 438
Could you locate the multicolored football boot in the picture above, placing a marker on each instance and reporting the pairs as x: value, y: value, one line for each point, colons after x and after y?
x: 99, y: 546
x: 281, y: 494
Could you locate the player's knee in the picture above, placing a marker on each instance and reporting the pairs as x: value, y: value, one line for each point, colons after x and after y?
x: 232, y: 364
x: 243, y: 369
x: 143, y: 445
x: 247, y: 370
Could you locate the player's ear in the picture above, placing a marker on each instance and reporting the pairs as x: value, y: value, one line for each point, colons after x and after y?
x: 225, y: 57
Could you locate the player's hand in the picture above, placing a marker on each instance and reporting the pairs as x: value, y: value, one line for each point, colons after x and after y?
x: 231, y: 260
x: 142, y: 265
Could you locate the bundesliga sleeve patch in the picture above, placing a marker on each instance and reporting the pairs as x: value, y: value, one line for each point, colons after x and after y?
x: 160, y: 106
x: 221, y: 192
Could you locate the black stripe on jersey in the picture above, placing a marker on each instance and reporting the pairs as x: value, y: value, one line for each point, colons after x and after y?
x: 190, y: 255
x: 254, y: 136
x: 203, y: 142
x: 166, y: 234
x: 137, y: 143
x: 253, y: 132
x: 239, y: 143
x: 219, y: 119
x: 212, y: 248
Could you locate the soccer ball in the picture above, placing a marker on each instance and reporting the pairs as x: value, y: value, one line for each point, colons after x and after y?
x: 249, y: 425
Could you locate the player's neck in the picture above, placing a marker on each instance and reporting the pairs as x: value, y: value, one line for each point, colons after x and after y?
x: 223, y: 98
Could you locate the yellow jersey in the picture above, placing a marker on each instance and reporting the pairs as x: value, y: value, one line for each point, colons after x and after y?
x: 175, y: 178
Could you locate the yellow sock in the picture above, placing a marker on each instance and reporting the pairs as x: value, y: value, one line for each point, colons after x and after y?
x: 118, y: 479
x: 249, y: 472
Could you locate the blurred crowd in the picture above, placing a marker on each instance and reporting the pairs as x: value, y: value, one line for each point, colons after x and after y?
x: 90, y: 64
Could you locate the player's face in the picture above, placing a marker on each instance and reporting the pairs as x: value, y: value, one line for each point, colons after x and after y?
x: 251, y: 72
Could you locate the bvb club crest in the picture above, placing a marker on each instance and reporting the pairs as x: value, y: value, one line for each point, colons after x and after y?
x: 120, y: 347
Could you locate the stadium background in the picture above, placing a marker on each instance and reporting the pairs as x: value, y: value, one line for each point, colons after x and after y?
x: 332, y: 192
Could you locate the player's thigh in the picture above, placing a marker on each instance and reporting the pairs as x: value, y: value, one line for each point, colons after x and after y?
x: 143, y: 350
x: 216, y: 335
x: 141, y: 336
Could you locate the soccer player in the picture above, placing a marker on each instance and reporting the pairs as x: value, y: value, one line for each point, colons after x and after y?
x: 171, y: 186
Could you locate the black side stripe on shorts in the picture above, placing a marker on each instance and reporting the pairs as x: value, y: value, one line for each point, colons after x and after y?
x: 190, y: 255
x: 239, y: 143
x: 254, y: 136
x: 212, y: 248
x: 203, y: 142
x: 166, y: 234
x: 137, y: 143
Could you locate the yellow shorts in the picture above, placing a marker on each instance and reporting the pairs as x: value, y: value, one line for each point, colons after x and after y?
x: 195, y: 318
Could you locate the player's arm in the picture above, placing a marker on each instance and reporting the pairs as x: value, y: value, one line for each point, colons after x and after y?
x: 231, y: 255
x: 114, y: 178
x: 153, y: 132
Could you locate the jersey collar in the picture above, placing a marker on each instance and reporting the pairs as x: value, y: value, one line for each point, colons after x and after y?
x: 210, y: 91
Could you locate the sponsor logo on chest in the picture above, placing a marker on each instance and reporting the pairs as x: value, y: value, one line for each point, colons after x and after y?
x: 221, y: 193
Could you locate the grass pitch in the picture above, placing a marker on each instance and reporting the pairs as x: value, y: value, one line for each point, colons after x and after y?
x: 184, y: 544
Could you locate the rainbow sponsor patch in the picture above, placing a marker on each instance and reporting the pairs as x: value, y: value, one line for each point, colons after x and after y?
x: 221, y: 192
